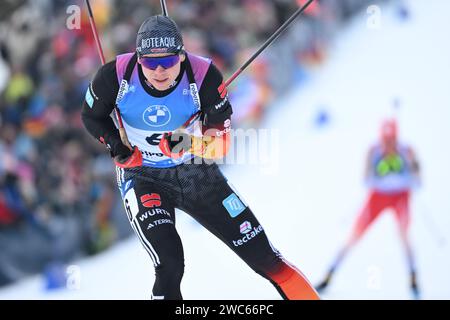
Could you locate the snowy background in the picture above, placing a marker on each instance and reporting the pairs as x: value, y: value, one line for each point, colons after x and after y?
x: 308, y: 204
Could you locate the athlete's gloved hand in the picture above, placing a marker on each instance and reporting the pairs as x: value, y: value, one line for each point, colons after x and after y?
x: 175, y: 144
x: 128, y: 159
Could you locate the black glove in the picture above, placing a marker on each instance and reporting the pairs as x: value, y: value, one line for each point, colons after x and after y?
x: 121, y: 151
x: 116, y: 147
x: 128, y: 162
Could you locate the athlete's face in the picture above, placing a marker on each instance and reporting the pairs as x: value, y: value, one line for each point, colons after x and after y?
x: 162, y: 78
x: 389, y: 135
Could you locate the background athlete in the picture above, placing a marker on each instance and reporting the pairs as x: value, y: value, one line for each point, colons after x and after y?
x: 392, y: 171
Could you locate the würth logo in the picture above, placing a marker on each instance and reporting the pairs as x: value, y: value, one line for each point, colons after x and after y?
x: 151, y: 200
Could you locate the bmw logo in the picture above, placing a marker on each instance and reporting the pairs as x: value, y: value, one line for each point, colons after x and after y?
x: 157, y: 116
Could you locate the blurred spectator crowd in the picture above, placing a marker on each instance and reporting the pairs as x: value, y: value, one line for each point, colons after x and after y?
x: 57, y: 194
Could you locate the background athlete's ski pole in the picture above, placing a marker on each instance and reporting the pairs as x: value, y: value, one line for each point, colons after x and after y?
x: 432, y: 226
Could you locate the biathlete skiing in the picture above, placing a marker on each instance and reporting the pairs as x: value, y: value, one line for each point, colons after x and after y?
x: 174, y: 108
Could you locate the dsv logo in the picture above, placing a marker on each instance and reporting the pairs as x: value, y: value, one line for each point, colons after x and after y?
x: 151, y: 200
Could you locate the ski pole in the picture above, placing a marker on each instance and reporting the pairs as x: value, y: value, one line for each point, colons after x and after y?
x: 262, y: 48
x: 266, y: 44
x: 122, y: 132
x: 164, y: 8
